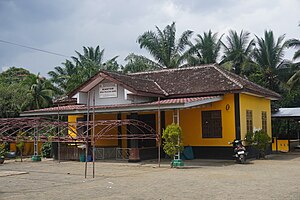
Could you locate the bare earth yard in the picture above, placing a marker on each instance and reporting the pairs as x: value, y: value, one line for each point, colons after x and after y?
x: 277, y: 177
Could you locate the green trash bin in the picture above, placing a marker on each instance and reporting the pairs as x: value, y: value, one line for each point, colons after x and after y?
x: 82, y: 157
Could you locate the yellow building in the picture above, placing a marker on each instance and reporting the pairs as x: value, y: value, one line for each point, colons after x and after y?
x: 212, y: 105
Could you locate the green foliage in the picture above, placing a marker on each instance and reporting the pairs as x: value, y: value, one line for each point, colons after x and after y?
x: 268, y: 55
x: 237, y: 51
x: 2, y: 150
x: 259, y: 140
x: 206, y: 50
x: 13, y: 75
x: 137, y: 63
x: 20, y: 146
x: 47, y: 149
x: 11, y: 99
x: 164, y: 48
x: 172, y: 140
x: 83, y: 66
x: 39, y: 94
x: 15, y: 86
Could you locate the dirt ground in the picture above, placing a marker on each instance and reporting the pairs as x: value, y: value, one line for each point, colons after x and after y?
x: 277, y: 177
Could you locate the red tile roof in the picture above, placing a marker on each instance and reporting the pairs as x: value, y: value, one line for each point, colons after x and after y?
x: 84, y: 107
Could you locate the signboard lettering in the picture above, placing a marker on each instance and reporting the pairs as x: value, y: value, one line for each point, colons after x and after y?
x: 108, y: 90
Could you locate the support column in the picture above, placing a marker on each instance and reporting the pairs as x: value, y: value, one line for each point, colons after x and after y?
x: 35, y: 156
x: 134, y: 143
x: 119, y: 117
x: 237, y: 116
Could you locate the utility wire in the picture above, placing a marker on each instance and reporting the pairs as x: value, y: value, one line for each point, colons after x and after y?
x: 32, y: 48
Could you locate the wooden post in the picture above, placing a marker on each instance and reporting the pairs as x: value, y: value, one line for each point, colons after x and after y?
x: 58, y: 130
x: 178, y: 136
x: 94, y: 134
x: 159, y: 131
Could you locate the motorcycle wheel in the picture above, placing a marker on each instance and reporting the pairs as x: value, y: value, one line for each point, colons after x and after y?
x: 242, y: 159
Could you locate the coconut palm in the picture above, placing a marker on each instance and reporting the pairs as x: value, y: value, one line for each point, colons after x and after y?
x: 67, y: 77
x: 268, y: 55
x: 237, y: 51
x: 295, y: 78
x: 91, y: 61
x: 81, y: 68
x: 296, y: 44
x: 137, y: 63
x: 206, y: 50
x: 162, y: 45
x: 39, y: 94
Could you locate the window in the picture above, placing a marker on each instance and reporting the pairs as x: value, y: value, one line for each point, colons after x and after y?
x: 264, y: 121
x: 211, y: 124
x: 249, y: 121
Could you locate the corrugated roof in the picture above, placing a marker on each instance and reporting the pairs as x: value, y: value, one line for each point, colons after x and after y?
x: 287, y: 113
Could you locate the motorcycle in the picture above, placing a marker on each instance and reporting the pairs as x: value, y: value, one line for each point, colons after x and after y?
x: 239, y: 150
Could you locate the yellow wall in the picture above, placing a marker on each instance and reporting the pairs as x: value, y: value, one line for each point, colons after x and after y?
x: 28, y: 148
x: 257, y: 105
x: 191, y: 123
x: 282, y: 145
x: 114, y: 131
x: 72, y: 119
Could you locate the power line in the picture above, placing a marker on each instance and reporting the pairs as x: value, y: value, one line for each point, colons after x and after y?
x: 32, y: 48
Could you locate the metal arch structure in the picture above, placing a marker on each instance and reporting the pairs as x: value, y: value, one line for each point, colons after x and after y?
x: 38, y: 129
x: 46, y: 129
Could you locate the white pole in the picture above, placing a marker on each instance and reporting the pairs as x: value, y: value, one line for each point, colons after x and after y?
x: 94, y: 134
x: 87, y: 133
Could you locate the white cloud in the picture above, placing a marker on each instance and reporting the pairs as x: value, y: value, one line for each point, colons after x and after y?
x: 62, y: 27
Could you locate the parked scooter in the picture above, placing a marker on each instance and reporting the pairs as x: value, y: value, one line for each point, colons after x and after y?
x: 239, y: 150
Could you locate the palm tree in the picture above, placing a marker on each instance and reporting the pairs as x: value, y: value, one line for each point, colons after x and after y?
x: 268, y: 55
x: 39, y: 94
x: 295, y: 78
x: 206, y: 50
x: 67, y: 77
x: 237, y: 51
x: 137, y: 63
x: 163, y: 47
x: 91, y: 61
x: 81, y: 68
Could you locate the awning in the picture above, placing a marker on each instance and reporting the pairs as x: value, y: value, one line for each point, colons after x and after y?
x: 287, y: 113
x: 166, y: 104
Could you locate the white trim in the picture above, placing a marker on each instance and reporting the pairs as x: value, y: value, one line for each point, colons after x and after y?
x: 261, y: 96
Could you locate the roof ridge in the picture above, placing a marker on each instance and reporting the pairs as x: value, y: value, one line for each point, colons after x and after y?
x: 248, y: 82
x: 165, y: 93
x: 228, y: 77
x: 132, y: 77
x: 173, y: 69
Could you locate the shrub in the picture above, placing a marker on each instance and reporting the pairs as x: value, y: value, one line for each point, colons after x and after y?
x: 172, y: 140
x: 2, y: 150
x: 47, y: 150
x: 259, y: 140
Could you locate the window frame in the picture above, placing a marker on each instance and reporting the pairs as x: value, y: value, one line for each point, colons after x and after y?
x: 214, y: 120
x: 264, y: 121
x: 249, y: 121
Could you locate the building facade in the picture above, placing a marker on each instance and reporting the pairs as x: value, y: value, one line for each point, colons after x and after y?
x: 212, y: 106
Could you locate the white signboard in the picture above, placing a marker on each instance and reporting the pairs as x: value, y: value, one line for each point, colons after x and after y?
x: 108, y: 90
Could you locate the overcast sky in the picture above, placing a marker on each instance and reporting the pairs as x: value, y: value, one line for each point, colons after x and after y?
x: 63, y: 26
